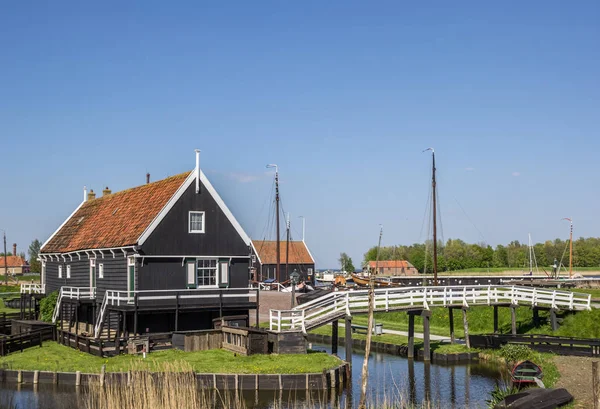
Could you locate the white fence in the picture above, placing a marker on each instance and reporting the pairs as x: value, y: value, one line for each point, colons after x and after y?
x: 29, y: 288
x: 332, y: 305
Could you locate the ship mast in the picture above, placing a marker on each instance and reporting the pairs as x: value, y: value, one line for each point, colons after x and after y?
x: 570, y: 248
x: 433, y: 185
x: 277, y: 269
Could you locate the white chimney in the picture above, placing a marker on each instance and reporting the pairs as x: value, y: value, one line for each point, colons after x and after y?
x: 84, y: 193
x: 197, y: 170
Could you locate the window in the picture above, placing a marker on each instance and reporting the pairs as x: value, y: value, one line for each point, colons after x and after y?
x: 196, y: 223
x: 191, y: 274
x: 100, y: 270
x: 68, y: 271
x: 310, y: 270
x: 59, y: 271
x: 207, y: 272
x: 224, y: 273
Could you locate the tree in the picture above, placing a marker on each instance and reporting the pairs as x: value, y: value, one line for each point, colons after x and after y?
x: 34, y: 249
x: 346, y: 262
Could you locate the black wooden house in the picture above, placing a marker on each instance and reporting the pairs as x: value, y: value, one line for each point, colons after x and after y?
x: 164, y: 256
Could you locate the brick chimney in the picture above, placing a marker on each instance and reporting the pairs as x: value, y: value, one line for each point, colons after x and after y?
x: 106, y: 191
x: 91, y: 195
x: 14, y: 249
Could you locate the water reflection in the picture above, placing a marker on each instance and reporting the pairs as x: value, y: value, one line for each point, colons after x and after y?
x: 390, y: 378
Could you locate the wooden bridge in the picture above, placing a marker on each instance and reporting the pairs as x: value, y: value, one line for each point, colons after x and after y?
x: 334, y: 306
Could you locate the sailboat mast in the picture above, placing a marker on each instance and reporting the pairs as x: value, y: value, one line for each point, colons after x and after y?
x: 287, y: 248
x: 278, y: 267
x: 435, y: 261
x: 571, y: 251
x: 530, y: 256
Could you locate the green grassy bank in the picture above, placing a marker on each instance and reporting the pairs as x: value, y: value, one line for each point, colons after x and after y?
x: 55, y: 357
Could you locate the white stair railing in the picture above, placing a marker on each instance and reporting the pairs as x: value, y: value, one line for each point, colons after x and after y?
x: 100, y: 318
x: 57, y: 306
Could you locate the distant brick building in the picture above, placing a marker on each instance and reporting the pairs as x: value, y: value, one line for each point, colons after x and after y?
x: 17, y: 265
x: 393, y: 267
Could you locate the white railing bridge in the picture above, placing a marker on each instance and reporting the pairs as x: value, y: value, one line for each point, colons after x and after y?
x: 336, y: 305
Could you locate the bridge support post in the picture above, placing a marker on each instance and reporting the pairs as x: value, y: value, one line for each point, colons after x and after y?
x: 536, y: 316
x: 426, y: 348
x: 513, y: 319
x: 411, y: 335
x: 466, y: 327
x: 334, y: 337
x: 553, y: 321
x: 495, y: 319
x: 451, y: 318
x: 348, y: 340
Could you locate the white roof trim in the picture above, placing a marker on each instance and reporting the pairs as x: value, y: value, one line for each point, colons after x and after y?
x: 255, y: 252
x: 61, y: 226
x: 309, y: 253
x: 209, y: 187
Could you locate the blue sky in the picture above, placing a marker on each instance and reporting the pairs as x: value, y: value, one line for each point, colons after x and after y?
x: 343, y: 96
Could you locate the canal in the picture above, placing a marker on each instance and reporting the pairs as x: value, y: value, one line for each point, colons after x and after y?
x: 391, y: 379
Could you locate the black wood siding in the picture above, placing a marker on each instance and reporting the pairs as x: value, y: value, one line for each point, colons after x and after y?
x: 170, y: 274
x: 268, y: 271
x: 80, y: 274
x: 115, y: 275
x: 171, y: 236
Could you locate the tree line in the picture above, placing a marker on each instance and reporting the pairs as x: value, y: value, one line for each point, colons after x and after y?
x: 455, y: 254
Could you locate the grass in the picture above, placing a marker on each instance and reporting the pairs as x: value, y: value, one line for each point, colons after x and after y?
x: 5, y: 309
x: 594, y: 291
x: 55, y: 357
x: 454, y: 349
x: 481, y: 320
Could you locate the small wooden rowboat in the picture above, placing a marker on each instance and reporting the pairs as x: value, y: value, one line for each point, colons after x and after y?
x: 526, y: 373
x: 364, y: 282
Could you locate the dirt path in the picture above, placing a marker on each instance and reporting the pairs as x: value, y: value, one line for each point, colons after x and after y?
x: 576, y: 377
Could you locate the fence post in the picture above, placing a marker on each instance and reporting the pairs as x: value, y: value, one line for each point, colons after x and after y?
x: 596, y: 384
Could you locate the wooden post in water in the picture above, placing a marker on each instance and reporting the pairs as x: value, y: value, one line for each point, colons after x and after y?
x: 334, y: 337
x: 411, y: 335
x: 365, y: 369
x: 426, y: 337
x: 348, y: 340
x: 451, y: 321
x: 466, y: 327
x: 596, y: 384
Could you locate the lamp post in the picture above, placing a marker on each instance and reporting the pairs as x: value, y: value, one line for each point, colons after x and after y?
x: 303, y: 226
x: 294, y: 279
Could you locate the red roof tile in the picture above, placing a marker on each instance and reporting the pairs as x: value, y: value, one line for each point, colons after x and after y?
x: 267, y: 251
x: 391, y: 264
x: 115, y: 220
x: 13, y: 261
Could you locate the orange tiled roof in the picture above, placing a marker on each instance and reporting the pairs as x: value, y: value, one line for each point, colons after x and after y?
x: 13, y: 261
x: 391, y: 264
x: 115, y: 220
x: 267, y: 251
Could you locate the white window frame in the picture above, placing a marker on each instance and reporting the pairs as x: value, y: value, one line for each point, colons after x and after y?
x: 190, y: 230
x: 215, y: 272
x: 101, y: 270
x: 43, y: 275
x: 60, y: 271
x: 68, y: 271
x: 224, y: 273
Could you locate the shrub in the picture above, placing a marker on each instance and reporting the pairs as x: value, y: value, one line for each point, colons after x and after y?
x: 515, y: 353
x: 47, y: 305
x: 499, y: 394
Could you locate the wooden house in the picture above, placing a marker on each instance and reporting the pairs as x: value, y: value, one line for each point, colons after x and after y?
x: 164, y: 256
x: 15, y: 264
x: 265, y: 261
x: 393, y: 267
